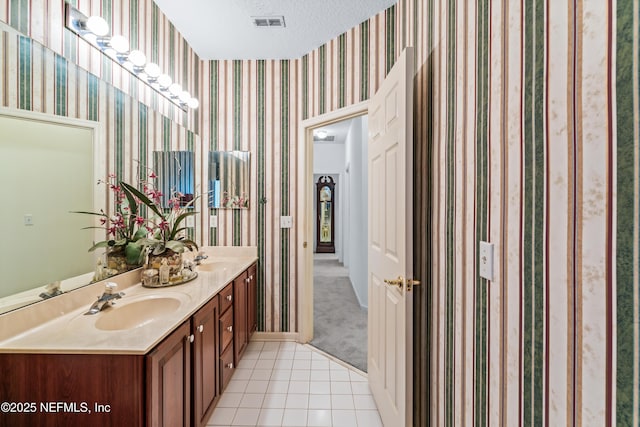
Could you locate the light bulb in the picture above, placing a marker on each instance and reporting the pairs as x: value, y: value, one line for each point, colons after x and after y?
x: 164, y: 81
x: 152, y: 70
x: 184, y: 96
x: 193, y: 103
x: 98, y: 26
x: 175, y: 89
x: 321, y: 134
x: 119, y: 43
x: 137, y: 58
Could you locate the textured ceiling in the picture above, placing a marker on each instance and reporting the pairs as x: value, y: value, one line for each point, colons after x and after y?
x: 223, y: 29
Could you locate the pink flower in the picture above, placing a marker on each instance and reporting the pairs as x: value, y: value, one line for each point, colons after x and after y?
x: 153, y: 175
x: 139, y: 220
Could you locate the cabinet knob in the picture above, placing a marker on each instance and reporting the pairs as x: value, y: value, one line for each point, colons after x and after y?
x: 251, y: 277
x: 190, y: 338
x: 230, y: 328
x: 229, y: 297
x: 247, y: 280
x: 200, y: 328
x: 230, y: 365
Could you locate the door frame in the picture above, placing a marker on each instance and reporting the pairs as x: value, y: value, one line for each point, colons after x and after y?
x: 306, y: 225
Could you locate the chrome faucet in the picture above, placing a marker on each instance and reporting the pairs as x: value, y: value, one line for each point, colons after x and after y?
x: 198, y: 258
x: 51, y: 290
x: 107, y: 298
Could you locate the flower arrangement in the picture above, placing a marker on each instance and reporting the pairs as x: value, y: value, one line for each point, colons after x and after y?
x: 234, y: 201
x: 131, y: 232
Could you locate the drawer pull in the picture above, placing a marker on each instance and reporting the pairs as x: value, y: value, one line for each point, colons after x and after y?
x: 230, y: 328
x: 247, y: 280
x: 200, y: 328
x: 190, y: 338
x: 229, y: 297
x: 229, y: 365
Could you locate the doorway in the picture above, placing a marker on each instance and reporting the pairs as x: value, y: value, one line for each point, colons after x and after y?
x: 340, y: 291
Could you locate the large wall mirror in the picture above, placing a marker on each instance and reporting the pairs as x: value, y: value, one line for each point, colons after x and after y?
x: 49, y: 166
x: 229, y: 179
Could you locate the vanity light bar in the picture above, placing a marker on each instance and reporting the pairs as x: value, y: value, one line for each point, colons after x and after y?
x: 95, y: 30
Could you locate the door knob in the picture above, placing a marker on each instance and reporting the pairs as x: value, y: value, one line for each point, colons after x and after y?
x: 400, y: 280
x: 395, y: 282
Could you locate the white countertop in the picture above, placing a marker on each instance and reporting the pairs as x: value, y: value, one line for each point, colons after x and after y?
x: 72, y: 332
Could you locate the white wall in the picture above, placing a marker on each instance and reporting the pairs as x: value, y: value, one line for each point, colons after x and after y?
x: 356, y: 207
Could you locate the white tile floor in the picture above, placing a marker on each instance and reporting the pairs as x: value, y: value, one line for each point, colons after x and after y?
x: 289, y: 384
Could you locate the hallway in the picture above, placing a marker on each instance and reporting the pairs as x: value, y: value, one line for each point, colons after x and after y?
x: 340, y: 323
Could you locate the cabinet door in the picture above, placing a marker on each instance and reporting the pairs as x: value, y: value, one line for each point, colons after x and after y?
x: 169, y: 380
x: 240, y: 336
x: 205, y: 361
x: 252, y: 315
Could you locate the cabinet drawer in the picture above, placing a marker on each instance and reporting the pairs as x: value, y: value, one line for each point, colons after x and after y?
x: 226, y: 297
x: 226, y: 367
x: 226, y: 329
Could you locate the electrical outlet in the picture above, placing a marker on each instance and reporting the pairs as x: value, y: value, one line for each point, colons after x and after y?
x: 286, y: 221
x: 28, y: 219
x: 213, y: 221
x: 486, y: 260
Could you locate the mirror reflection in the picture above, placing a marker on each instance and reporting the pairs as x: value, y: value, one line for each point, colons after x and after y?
x: 43, y: 251
x: 229, y: 179
x: 176, y: 174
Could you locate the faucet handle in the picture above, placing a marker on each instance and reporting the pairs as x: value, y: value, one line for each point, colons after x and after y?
x: 109, y: 287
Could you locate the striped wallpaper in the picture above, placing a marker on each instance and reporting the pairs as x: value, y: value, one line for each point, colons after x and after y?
x: 526, y: 135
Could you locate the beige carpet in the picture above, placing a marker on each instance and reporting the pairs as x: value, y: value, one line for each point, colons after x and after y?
x: 340, y: 324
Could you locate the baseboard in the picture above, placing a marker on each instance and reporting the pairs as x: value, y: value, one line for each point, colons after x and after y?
x: 275, y: 336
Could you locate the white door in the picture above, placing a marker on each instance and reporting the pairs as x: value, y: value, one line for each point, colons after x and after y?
x: 390, y: 158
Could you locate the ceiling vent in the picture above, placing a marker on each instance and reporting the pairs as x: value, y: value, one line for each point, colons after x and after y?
x: 268, y: 21
x: 328, y: 138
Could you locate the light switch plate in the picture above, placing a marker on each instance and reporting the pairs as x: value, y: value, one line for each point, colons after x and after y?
x: 213, y: 221
x: 286, y: 221
x: 486, y: 260
x: 28, y: 219
x: 191, y: 222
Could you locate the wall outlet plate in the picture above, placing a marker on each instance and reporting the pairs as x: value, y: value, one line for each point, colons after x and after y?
x: 191, y: 222
x: 286, y: 221
x: 28, y: 219
x: 213, y: 221
x: 486, y: 260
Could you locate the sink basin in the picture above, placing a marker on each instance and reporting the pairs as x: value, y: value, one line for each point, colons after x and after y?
x: 216, y: 265
x: 137, y: 313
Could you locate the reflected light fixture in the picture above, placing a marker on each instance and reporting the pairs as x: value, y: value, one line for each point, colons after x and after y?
x: 321, y: 134
x: 95, y: 30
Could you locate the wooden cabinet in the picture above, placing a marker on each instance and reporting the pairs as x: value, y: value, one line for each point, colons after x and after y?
x: 205, y: 362
x: 178, y: 383
x: 182, y: 372
x: 252, y: 311
x: 240, y: 335
x: 169, y: 380
x: 227, y: 332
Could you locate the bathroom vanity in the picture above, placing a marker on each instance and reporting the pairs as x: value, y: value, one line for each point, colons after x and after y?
x: 158, y: 357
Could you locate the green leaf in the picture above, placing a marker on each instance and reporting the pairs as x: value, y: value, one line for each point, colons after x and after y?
x: 175, y: 246
x: 134, y: 253
x: 90, y: 213
x: 102, y: 244
x: 140, y: 234
x: 177, y: 222
x: 143, y: 197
